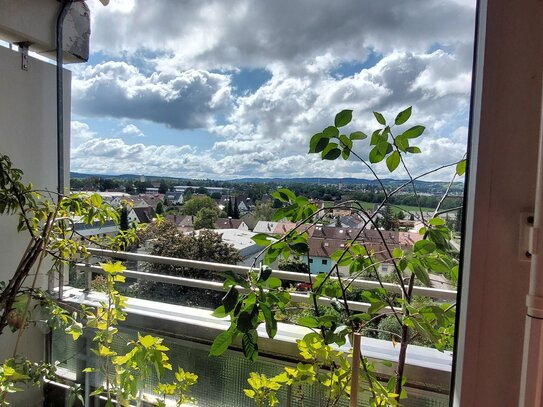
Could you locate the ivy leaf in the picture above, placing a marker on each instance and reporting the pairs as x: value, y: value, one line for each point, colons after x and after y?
x: 393, y: 160
x: 222, y: 342
x: 403, y: 116
x: 343, y: 118
x: 380, y: 118
x: 414, y: 132
x: 461, y: 168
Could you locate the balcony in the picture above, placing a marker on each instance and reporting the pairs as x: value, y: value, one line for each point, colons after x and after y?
x: 189, y: 331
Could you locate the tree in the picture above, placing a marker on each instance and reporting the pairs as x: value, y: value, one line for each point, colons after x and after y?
x: 159, y: 208
x: 205, y: 246
x: 129, y: 188
x: 401, y: 215
x: 163, y: 187
x: 388, y: 221
x: 264, y: 211
x: 229, y: 208
x: 235, y: 209
x: 187, y: 195
x: 123, y: 220
x: 196, y: 203
x: 205, y: 219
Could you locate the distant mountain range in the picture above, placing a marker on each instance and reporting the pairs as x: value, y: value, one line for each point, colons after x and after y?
x: 435, y: 186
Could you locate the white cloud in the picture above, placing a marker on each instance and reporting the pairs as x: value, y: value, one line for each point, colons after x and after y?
x: 80, y: 132
x: 253, y: 33
x: 184, y: 100
x: 132, y: 130
x: 179, y: 53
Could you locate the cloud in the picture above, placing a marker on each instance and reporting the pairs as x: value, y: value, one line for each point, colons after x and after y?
x: 282, y: 115
x: 132, y: 130
x: 181, y: 55
x: 217, y: 34
x: 184, y: 100
x: 80, y: 132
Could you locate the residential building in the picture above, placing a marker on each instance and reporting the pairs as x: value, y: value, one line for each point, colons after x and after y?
x: 229, y: 223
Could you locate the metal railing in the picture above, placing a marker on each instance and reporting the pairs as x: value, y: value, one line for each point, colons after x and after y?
x: 300, y: 297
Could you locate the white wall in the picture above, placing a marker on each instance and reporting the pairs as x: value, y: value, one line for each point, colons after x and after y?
x: 28, y: 136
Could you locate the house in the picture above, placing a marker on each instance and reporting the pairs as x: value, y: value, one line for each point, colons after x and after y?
x: 506, y: 101
x: 173, y: 198
x: 249, y: 220
x: 241, y: 240
x: 229, y: 223
x: 264, y: 226
x: 151, y: 200
x: 141, y: 214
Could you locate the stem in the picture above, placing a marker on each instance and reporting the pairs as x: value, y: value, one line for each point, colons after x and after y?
x: 403, y: 342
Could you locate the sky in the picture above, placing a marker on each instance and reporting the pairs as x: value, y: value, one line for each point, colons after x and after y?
x: 227, y: 89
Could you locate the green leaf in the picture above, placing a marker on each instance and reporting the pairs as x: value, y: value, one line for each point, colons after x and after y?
x: 96, y: 200
x: 461, y: 168
x: 424, y: 247
x: 309, y: 322
x: 331, y: 152
x: 420, y: 272
x: 317, y: 143
x: 271, y: 323
x: 346, y: 141
x: 222, y: 342
x: 265, y: 273
x: 284, y: 195
x: 358, y: 135
x: 413, y: 150
x: 437, y: 221
x: 414, y: 132
x: 250, y: 346
x: 230, y: 299
x: 219, y: 312
x: 393, y: 160
x: 343, y: 118
x: 274, y: 282
x: 330, y: 132
x: 402, y: 143
x: 376, y: 155
x: 380, y: 118
x: 403, y: 116
x: 437, y: 264
x: 247, y: 319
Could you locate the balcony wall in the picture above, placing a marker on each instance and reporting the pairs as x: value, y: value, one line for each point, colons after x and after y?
x: 28, y: 137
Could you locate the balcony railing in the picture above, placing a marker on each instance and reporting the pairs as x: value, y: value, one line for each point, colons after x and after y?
x: 428, y: 370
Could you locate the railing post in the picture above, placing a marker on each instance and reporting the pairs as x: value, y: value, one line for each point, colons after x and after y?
x: 355, y: 371
x: 88, y: 276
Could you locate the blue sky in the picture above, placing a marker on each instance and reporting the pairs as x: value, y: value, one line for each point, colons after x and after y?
x: 228, y: 89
